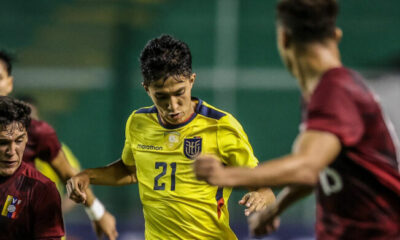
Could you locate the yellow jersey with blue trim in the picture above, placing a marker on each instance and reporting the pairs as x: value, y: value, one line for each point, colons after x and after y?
x: 175, y: 204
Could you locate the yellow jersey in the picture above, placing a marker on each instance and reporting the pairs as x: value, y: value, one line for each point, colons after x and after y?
x: 175, y: 204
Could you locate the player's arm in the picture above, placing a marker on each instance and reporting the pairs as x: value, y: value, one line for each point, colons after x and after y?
x: 50, y: 150
x: 104, y: 222
x: 116, y: 173
x: 313, y: 151
x: 61, y: 165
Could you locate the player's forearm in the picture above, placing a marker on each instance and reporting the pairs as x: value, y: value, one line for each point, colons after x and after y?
x: 114, y: 174
x: 90, y: 197
x: 61, y: 165
x: 286, y: 170
x: 291, y: 194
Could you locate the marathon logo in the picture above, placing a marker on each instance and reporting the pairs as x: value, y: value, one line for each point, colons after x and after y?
x: 11, y: 207
x: 149, y: 147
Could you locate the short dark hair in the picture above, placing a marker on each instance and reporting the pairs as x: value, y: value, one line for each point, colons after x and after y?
x: 13, y: 110
x: 163, y: 57
x: 8, y: 60
x: 308, y: 20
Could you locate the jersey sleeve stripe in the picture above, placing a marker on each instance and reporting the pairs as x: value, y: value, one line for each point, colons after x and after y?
x: 220, y: 200
x: 147, y: 110
x: 209, y: 112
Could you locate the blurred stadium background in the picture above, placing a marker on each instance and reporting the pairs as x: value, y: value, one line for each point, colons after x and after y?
x: 79, y: 59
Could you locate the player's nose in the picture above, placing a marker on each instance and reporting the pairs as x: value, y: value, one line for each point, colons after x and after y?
x: 11, y: 149
x: 173, y: 104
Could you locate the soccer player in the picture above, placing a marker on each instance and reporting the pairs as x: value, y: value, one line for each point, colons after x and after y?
x: 346, y: 150
x: 43, y: 143
x: 29, y: 202
x: 160, y: 145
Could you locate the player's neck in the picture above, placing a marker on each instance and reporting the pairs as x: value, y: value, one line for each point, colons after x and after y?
x: 315, y: 61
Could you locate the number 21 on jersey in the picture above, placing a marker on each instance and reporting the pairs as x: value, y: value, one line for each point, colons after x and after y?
x: 164, y: 166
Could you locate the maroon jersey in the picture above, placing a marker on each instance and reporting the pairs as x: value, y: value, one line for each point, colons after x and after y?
x: 358, y: 195
x: 42, y: 143
x: 30, y: 206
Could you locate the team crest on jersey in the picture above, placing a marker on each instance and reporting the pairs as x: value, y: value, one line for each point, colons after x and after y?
x: 11, y: 207
x: 192, y: 147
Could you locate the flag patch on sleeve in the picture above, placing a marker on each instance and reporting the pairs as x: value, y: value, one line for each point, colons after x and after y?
x: 11, y: 207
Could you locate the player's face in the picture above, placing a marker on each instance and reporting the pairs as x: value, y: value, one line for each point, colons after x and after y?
x: 6, y: 81
x: 172, y: 98
x: 13, y: 138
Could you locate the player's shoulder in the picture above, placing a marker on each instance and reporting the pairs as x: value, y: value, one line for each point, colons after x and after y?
x: 35, y: 176
x: 220, y: 116
x: 38, y: 127
x: 342, y: 81
x: 143, y: 112
x: 209, y: 111
x: 142, y: 115
x: 339, y: 77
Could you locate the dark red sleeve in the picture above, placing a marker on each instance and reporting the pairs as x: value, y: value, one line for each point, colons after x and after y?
x: 47, y: 217
x: 48, y: 143
x: 333, y: 109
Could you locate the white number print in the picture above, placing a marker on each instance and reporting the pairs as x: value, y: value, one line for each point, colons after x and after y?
x: 330, y: 181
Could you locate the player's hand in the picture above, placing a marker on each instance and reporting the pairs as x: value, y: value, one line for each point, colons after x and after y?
x: 264, y: 222
x: 254, y: 201
x: 209, y: 169
x: 76, y: 187
x: 106, y: 226
x: 257, y: 200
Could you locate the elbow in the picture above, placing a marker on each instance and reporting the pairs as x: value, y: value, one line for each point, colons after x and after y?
x: 307, y: 175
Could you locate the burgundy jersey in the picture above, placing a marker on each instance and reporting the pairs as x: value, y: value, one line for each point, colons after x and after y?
x: 358, y: 195
x: 30, y: 206
x: 42, y: 143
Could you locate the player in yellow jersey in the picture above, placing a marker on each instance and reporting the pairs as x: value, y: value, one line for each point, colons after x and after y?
x: 161, y: 144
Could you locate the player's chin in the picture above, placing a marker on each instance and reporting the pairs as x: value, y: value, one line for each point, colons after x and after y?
x: 175, y: 121
x: 8, y: 171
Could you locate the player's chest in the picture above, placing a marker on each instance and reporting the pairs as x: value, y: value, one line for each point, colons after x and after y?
x: 13, y: 202
x: 173, y: 146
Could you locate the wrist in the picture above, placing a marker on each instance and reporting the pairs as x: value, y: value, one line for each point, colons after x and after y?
x: 96, y: 210
x: 228, y: 177
x: 87, y: 174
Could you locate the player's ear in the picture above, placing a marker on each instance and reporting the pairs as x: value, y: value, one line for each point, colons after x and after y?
x: 192, y: 79
x: 284, y: 38
x: 146, y: 88
x: 338, y: 34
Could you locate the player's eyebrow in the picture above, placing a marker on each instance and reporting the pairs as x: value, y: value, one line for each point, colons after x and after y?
x: 21, y: 136
x: 179, y: 90
x: 161, y: 93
